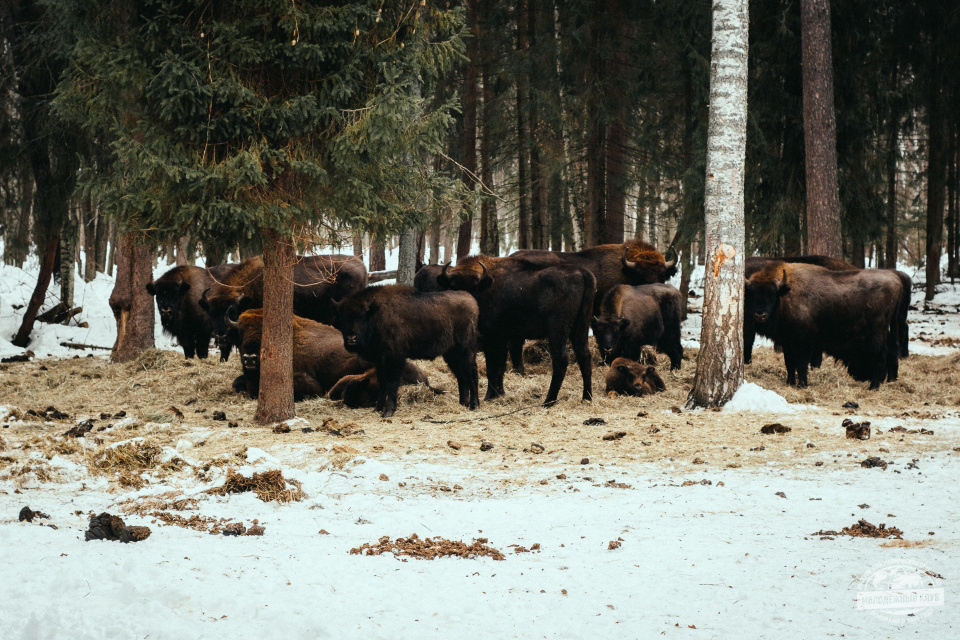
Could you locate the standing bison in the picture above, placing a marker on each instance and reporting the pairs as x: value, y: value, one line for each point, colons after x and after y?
x: 631, y: 317
x: 522, y: 299
x: 850, y: 315
x: 318, y: 282
x: 178, y: 293
x: 386, y: 325
x: 751, y: 328
x: 319, y: 360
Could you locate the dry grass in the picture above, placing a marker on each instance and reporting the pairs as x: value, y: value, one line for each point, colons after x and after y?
x: 161, y: 385
x: 269, y: 486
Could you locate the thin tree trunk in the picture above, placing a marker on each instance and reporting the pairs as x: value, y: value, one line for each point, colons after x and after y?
x: 489, y: 227
x: 720, y: 361
x: 936, y: 177
x: 68, y: 245
x: 131, y: 304
x: 893, y: 153
x: 465, y: 231
x: 22, y: 339
x: 182, y: 251
x: 819, y: 130
x: 275, y: 400
x: 112, y: 240
x: 89, y: 222
x: 378, y: 256
x: 103, y: 235
x: 953, y: 231
x: 407, y: 258
x: 615, y: 167
x: 434, y: 243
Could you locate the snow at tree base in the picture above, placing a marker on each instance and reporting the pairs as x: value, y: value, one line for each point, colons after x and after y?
x: 695, y: 524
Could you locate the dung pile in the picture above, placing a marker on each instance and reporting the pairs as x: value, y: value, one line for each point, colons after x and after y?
x: 110, y: 527
x: 863, y: 529
x: 428, y: 548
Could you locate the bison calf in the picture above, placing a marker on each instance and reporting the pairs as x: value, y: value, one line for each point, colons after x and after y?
x: 630, y: 378
x: 386, y: 325
x: 362, y: 389
x: 631, y: 317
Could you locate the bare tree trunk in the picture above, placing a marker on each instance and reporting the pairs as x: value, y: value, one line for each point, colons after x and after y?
x: 131, y: 304
x: 434, y: 243
x: 112, y: 239
x: 275, y: 400
x: 820, y: 130
x: 22, y: 339
x: 103, y: 235
x: 465, y: 231
x: 936, y: 178
x: 523, y: 142
x: 953, y: 231
x: 89, y: 222
x: 183, y: 252
x: 378, y: 257
x: 489, y: 227
x: 893, y: 153
x: 720, y: 361
x: 68, y: 245
x: 358, y: 244
x: 407, y: 258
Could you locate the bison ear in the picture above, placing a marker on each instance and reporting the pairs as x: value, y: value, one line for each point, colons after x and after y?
x: 245, y: 303
x: 784, y: 287
x: 204, y: 303
x: 443, y: 280
x: 184, y: 287
x: 152, y: 290
x: 593, y: 322
x: 625, y: 370
x: 624, y: 323
x: 485, y: 279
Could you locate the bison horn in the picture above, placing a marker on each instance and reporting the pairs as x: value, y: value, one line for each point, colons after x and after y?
x: 233, y: 324
x: 672, y: 263
x: 626, y: 263
x: 443, y: 271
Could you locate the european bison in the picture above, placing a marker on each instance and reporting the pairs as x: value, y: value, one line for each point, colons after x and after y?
x: 521, y: 299
x: 751, y: 329
x: 630, y: 378
x: 386, y: 325
x: 631, y: 317
x: 362, y: 389
x: 426, y: 278
x: 850, y: 315
x: 178, y: 293
x: 319, y: 281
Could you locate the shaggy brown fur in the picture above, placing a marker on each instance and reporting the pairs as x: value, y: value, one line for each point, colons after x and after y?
x: 630, y: 378
x: 362, y: 389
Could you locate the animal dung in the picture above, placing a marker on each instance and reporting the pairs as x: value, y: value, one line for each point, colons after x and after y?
x: 282, y: 428
x: 219, y: 416
x: 592, y: 421
x: 486, y: 446
x: 613, y: 544
x: 536, y: 447
x: 453, y: 444
x: 585, y: 461
x: 428, y: 548
x: 80, y: 429
x: 776, y: 427
x: 234, y: 529
x: 110, y: 527
x: 27, y: 514
x: 851, y: 405
x: 856, y: 430
x: 863, y: 529
x: 873, y: 461
x: 614, y: 435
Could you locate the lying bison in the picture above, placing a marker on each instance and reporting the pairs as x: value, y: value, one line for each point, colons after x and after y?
x: 630, y: 378
x: 386, y: 325
x: 631, y: 317
x: 522, y: 299
x: 751, y: 328
x: 318, y: 282
x: 319, y: 360
x: 850, y: 315
x: 362, y: 389
x: 178, y: 293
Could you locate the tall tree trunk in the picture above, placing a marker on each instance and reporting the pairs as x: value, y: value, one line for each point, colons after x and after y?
x: 378, y: 257
x: 936, y: 175
x: 407, y: 256
x: 953, y: 231
x: 17, y: 239
x: 131, y: 304
x: 89, y: 222
x: 616, y: 72
x: 465, y: 231
x: 820, y: 130
x: 112, y: 240
x: 720, y: 361
x: 434, y: 243
x: 593, y: 222
x: 275, y: 400
x: 68, y: 246
x: 615, y: 167
x: 523, y: 142
x: 489, y: 227
x: 893, y: 154
x: 103, y: 236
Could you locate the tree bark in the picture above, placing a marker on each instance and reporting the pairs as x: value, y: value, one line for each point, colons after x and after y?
x: 407, y: 258
x: 523, y: 142
x: 275, y: 400
x: 22, y: 339
x: 893, y: 154
x: 465, y: 232
x: 378, y: 257
x: 68, y: 246
x: 720, y: 361
x: 131, y: 304
x: 953, y: 231
x: 936, y: 175
x: 489, y: 227
x: 820, y: 131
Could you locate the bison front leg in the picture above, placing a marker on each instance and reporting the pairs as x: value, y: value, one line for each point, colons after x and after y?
x: 389, y: 371
x: 463, y: 364
x: 558, y: 355
x: 186, y: 341
x: 496, y: 355
x: 749, y: 336
x: 202, y: 342
x: 516, y: 355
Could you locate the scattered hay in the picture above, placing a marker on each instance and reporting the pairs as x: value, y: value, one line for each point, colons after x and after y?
x: 130, y: 479
x: 863, y: 529
x: 207, y: 524
x: 428, y: 548
x: 151, y: 359
x: 162, y: 502
x: 269, y: 486
x: 129, y: 456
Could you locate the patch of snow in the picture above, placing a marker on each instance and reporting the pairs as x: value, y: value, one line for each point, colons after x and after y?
x: 753, y: 397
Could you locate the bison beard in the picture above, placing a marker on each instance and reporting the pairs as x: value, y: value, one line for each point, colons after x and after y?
x: 386, y: 325
x: 178, y: 293
x: 850, y: 315
x: 629, y: 378
x: 631, y: 317
x: 751, y: 327
x: 521, y: 299
x: 319, y: 280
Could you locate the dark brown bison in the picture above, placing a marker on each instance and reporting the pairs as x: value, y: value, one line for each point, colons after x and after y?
x: 751, y: 328
x: 522, y: 299
x: 631, y: 317
x: 318, y: 280
x: 319, y: 359
x: 426, y: 278
x: 386, y: 325
x: 178, y: 293
x: 630, y: 378
x: 850, y: 315
x: 362, y: 389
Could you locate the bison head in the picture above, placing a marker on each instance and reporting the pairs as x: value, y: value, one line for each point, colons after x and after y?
x: 168, y: 293
x: 465, y: 279
x: 642, y: 264
x: 352, y: 318
x: 608, y: 330
x: 761, y: 294
x: 629, y: 377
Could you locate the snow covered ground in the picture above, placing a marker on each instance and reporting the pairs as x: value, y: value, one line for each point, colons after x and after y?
x: 727, y: 559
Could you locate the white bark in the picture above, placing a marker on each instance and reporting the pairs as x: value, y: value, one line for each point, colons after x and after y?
x: 720, y: 361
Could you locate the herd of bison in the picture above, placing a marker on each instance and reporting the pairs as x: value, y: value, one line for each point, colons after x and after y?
x: 354, y: 343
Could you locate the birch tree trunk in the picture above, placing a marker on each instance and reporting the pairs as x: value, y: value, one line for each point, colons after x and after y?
x: 720, y: 361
